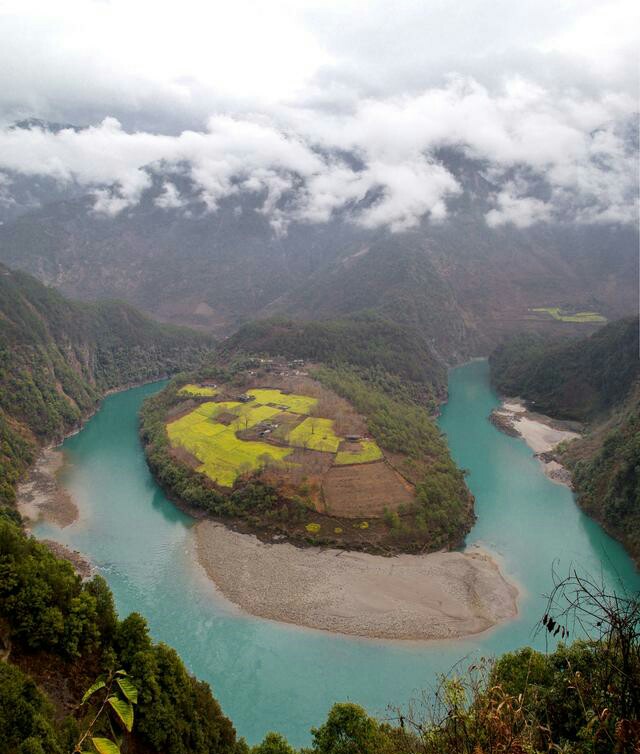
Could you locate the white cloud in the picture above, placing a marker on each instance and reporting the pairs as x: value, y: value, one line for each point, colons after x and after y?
x: 170, y: 197
x: 258, y: 97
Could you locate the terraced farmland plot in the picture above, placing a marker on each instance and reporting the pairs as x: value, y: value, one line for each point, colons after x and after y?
x: 298, y: 404
x: 315, y: 434
x: 369, y: 451
x: 198, y: 390
x: 222, y: 454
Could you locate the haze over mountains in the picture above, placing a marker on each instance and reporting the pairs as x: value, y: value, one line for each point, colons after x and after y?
x: 462, y: 280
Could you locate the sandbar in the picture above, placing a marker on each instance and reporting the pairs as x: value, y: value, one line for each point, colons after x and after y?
x: 443, y: 595
x: 541, y: 433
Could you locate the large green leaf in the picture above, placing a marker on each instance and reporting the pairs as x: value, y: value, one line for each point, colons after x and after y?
x: 105, y: 746
x: 99, y: 684
x: 128, y: 689
x: 123, y: 709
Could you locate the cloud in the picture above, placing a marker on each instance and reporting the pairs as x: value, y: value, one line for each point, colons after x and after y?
x: 377, y: 163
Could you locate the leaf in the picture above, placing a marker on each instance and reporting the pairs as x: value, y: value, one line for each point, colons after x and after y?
x: 99, y: 684
x: 128, y: 689
x: 121, y: 672
x: 105, y: 746
x: 123, y: 709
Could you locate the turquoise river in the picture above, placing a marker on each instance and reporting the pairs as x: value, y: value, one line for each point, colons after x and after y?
x: 274, y: 676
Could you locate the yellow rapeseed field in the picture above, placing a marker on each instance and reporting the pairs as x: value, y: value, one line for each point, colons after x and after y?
x: 223, y: 456
x: 369, y: 452
x: 198, y: 390
x: 298, y: 404
x: 315, y: 433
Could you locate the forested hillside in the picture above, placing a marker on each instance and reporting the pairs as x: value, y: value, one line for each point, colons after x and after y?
x: 367, y: 342
x: 581, y: 379
x: 58, y: 357
x: 595, y: 380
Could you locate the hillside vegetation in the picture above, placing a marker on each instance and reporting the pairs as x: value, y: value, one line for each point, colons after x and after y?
x: 367, y: 342
x: 580, y: 379
x: 595, y: 380
x: 59, y: 357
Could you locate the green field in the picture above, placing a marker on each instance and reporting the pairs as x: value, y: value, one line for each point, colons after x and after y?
x: 198, y: 390
x: 298, y: 404
x: 315, y: 434
x: 369, y: 452
x: 557, y: 313
x: 224, y: 456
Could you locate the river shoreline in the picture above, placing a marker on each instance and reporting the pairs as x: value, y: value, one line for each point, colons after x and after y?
x: 40, y: 497
x: 541, y: 433
x: 444, y: 595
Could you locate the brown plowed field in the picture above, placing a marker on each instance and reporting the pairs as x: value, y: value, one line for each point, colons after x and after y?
x: 364, y: 490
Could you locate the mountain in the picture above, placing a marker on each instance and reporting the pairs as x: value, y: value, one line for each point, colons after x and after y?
x: 59, y: 357
x: 461, y: 284
x: 596, y: 380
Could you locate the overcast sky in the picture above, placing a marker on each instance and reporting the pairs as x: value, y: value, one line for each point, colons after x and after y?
x: 253, y: 95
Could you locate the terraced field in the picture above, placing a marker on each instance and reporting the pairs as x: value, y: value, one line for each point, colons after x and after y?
x: 369, y: 451
x: 557, y: 313
x: 210, y: 433
x: 198, y: 390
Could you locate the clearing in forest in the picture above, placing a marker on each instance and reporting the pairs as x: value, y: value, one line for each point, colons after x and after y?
x: 564, y: 316
x: 198, y: 390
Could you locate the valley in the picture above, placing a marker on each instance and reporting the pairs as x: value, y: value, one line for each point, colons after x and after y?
x: 149, y: 551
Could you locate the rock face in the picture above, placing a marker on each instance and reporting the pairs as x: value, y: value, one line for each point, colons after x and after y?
x: 503, y: 422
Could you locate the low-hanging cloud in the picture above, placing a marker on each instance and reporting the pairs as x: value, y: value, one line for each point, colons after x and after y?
x: 384, y: 151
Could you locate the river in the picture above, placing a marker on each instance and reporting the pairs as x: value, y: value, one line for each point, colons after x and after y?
x: 271, y: 676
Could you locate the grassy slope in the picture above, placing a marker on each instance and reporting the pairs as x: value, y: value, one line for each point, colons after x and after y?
x: 58, y: 357
x: 594, y: 380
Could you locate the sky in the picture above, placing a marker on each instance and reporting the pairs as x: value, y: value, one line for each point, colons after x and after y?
x: 325, y: 102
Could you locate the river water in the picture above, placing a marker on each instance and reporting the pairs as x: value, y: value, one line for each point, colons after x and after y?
x: 271, y: 676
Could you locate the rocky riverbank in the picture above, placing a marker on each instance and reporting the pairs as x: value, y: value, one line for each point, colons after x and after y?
x: 541, y: 433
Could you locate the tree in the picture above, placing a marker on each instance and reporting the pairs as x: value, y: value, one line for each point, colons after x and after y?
x: 349, y: 730
x: 273, y: 743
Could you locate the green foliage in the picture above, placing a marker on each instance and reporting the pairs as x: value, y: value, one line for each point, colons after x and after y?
x: 349, y: 730
x: 362, y: 341
x: 606, y: 473
x: 113, y: 693
x: 273, y: 743
x: 43, y: 600
x: 26, y: 718
x: 50, y: 612
x: 57, y: 357
x: 579, y: 379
